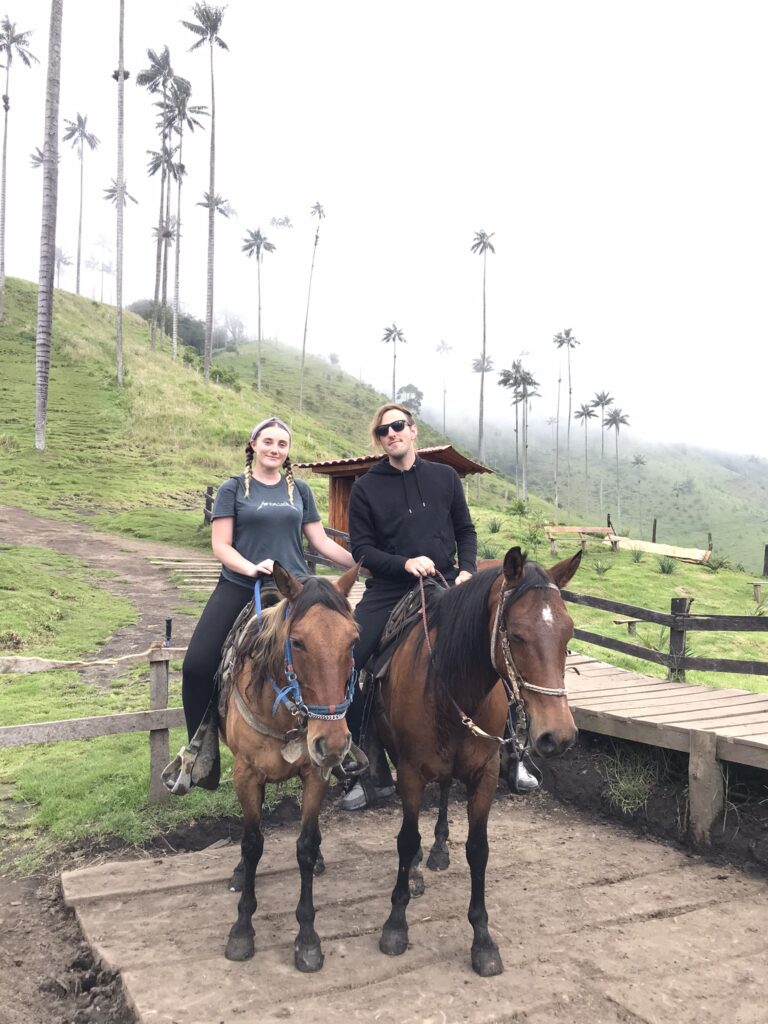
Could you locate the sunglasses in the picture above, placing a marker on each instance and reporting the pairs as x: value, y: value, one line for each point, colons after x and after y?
x: 396, y: 425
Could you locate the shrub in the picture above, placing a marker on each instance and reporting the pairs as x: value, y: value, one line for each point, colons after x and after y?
x: 517, y: 507
x: 637, y: 556
x: 601, y: 568
x: 487, y: 550
x: 495, y: 525
x: 667, y: 566
x: 717, y: 562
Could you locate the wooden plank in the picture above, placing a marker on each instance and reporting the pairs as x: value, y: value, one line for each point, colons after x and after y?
x: 659, y: 704
x: 728, y: 623
x: 646, y: 614
x: 158, y: 738
x: 742, y: 729
x: 705, y: 785
x: 644, y: 653
x: 742, y: 752
x: 87, y: 728
x: 638, y: 690
x: 631, y: 729
x: 753, y: 704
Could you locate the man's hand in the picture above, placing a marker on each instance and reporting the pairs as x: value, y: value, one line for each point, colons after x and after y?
x: 462, y: 577
x: 420, y: 566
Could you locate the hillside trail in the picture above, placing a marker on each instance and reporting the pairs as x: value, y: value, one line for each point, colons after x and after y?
x: 596, y: 923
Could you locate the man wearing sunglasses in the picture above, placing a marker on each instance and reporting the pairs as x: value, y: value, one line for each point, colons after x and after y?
x: 408, y: 518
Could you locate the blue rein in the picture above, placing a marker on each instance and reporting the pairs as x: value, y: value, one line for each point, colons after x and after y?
x: 290, y: 694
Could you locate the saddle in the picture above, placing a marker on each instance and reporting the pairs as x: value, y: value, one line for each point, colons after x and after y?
x: 406, y: 613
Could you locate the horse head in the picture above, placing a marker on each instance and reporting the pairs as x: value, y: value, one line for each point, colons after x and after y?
x: 531, y: 642
x: 321, y: 633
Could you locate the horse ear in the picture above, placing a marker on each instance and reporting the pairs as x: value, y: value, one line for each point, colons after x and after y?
x: 288, y: 585
x: 564, y: 571
x: 513, y: 566
x: 344, y: 583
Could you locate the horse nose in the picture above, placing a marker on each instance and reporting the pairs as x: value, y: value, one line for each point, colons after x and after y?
x: 551, y: 744
x: 325, y: 750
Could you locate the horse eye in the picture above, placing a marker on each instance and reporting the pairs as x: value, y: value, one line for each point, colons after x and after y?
x: 515, y: 638
x: 298, y: 644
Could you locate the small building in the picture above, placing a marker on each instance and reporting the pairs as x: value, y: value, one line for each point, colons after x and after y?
x: 342, y: 473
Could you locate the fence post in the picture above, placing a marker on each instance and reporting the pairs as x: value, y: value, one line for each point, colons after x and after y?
x: 158, y: 738
x: 706, y: 791
x: 208, y: 505
x: 680, y: 606
x: 653, y: 532
x: 765, y: 561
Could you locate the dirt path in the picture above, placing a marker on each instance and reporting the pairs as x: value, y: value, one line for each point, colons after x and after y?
x: 595, y: 923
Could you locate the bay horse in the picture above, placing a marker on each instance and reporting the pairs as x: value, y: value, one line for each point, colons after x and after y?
x: 291, y: 683
x: 498, y: 641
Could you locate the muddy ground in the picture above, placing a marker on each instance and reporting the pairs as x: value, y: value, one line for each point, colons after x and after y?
x: 47, y: 974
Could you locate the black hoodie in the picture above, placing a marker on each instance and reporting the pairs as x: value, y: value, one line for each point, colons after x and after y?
x: 396, y: 515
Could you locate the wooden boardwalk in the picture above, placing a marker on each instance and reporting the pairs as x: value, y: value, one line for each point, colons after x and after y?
x: 711, y: 725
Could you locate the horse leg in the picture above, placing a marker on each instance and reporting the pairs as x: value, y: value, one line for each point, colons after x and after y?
x: 415, y: 876
x: 307, y: 954
x: 394, y: 935
x: 439, y: 857
x: 486, y: 959
x: 240, y: 945
x: 236, y: 881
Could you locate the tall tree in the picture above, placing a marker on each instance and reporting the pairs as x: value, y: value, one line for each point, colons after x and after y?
x: 156, y: 79
x: 524, y: 387
x: 443, y: 350
x: 638, y: 462
x: 393, y: 334
x: 48, y: 224
x: 602, y: 401
x: 207, y: 28
x: 565, y: 339
x: 181, y: 115
x: 316, y: 211
x: 615, y: 420
x: 256, y: 245
x: 77, y: 133
x: 481, y: 246
x: 585, y: 413
x: 120, y: 76
x: 13, y: 46
x: 482, y: 365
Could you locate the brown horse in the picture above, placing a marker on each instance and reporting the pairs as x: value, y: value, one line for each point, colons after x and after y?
x: 292, y: 679
x: 495, y: 643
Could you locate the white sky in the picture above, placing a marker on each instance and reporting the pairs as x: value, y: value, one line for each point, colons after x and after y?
x: 617, y: 150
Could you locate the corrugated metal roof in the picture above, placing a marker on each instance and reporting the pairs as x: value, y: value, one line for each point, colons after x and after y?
x: 445, y: 453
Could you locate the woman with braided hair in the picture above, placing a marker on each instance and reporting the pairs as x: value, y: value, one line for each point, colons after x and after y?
x: 258, y: 517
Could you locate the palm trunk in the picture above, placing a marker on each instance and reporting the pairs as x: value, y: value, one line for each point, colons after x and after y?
x: 517, y: 451
x: 6, y: 104
x: 394, y: 364
x: 258, y: 340
x: 176, y: 264
x: 557, y: 442
x: 80, y: 218
x: 568, y: 442
x: 618, y: 486
x: 482, y: 379
x: 525, y: 448
x: 166, y: 225
x: 586, y: 473
x: 208, y: 352
x: 306, y: 322
x: 602, y: 461
x: 48, y: 228
x: 120, y: 197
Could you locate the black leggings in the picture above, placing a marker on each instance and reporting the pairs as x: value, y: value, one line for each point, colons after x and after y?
x: 204, y: 652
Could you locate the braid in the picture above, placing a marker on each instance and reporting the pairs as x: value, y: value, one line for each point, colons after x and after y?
x: 248, y: 468
x: 289, y: 477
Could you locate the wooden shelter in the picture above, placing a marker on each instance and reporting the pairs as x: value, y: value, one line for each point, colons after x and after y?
x: 342, y: 473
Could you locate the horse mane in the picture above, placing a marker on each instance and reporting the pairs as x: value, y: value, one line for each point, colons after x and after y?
x: 264, y: 640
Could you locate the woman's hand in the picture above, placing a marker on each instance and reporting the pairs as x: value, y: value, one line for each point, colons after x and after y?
x: 263, y: 568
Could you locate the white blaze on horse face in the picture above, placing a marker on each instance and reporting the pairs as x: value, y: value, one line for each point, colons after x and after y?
x: 546, y: 614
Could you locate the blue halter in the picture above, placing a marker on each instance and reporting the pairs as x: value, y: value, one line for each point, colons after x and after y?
x: 290, y: 694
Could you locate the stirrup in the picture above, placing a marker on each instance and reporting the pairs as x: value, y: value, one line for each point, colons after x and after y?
x: 197, y: 763
x: 354, y: 764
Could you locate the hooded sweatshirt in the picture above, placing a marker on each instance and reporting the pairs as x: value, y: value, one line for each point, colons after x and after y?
x: 396, y: 515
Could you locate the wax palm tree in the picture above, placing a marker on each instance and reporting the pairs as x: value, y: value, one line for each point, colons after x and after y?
x: 281, y: 222
x: 120, y: 191
x: 585, y: 413
x: 207, y: 29
x: 181, y: 115
x: 256, y: 245
x: 111, y: 193
x: 48, y: 225
x: 13, y: 46
x: 316, y: 211
x: 77, y: 133
x: 481, y: 246
x: 602, y: 401
x: 638, y: 462
x: 565, y: 339
x: 156, y: 79
x: 393, y: 334
x: 615, y: 420
x: 443, y: 350
x: 524, y: 387
x: 482, y: 364
x: 511, y: 379
x: 62, y: 260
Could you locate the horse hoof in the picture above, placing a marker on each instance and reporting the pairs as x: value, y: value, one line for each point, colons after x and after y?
x: 416, y: 884
x: 308, y: 959
x: 487, y: 962
x: 439, y: 860
x: 240, y: 947
x: 392, y: 942
x: 319, y: 867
